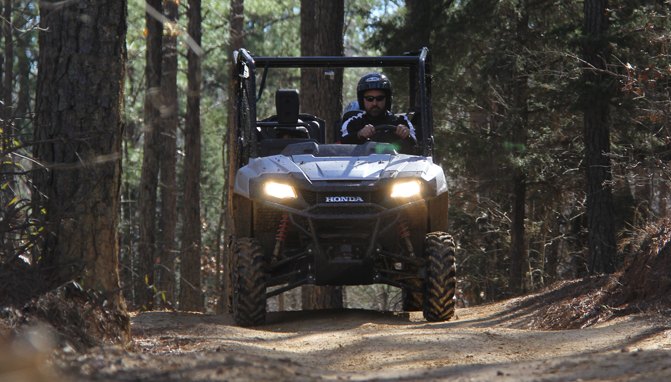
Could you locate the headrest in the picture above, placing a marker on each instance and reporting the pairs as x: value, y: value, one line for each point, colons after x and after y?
x: 287, y: 106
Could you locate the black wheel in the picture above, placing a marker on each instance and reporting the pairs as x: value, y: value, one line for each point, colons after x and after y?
x: 249, y: 283
x: 441, y: 277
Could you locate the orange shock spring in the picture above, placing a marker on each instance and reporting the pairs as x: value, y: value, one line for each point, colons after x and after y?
x: 281, y: 235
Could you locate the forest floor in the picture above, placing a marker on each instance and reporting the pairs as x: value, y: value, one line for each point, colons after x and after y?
x: 484, y: 343
x: 505, y: 341
x: 603, y: 328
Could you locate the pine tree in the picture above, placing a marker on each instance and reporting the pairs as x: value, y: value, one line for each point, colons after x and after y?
x: 78, y: 131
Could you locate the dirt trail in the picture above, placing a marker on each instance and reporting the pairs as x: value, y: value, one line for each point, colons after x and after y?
x: 482, y: 344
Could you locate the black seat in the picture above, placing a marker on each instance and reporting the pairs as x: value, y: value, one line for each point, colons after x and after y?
x: 287, y: 106
x: 288, y: 125
x: 288, y: 115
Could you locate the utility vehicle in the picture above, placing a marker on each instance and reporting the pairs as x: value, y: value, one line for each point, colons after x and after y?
x: 310, y: 212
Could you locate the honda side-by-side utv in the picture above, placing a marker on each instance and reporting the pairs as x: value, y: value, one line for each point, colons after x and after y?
x: 310, y: 212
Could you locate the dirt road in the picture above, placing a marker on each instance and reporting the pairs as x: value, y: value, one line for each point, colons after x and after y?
x: 486, y: 343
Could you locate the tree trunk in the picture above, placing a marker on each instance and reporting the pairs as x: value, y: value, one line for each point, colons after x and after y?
x: 24, y: 64
x: 78, y: 132
x: 7, y: 130
x: 165, y: 257
x: 552, y: 260
x: 6, y: 85
x: 518, y: 249
x: 7, y: 82
x: 322, y: 23
x: 191, y: 296
x: 519, y: 116
x: 601, y: 231
x: 144, y: 275
x: 419, y: 22
x: 2, y: 68
x: 235, y: 39
x: 24, y: 96
x: 129, y: 194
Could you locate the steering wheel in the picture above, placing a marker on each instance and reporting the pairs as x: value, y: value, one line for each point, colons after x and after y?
x: 385, y: 133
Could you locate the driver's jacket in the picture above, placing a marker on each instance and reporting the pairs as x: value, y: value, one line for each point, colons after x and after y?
x: 352, y: 125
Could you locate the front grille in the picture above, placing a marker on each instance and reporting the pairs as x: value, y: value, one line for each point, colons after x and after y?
x: 345, y: 210
x: 336, y: 198
x: 310, y: 197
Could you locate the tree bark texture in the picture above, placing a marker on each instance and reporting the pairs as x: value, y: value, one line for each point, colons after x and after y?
x: 601, y: 230
x: 8, y: 78
x: 322, y: 23
x: 167, y: 222
x: 2, y: 68
x: 518, y: 248
x: 78, y: 131
x: 144, y: 273
x: 191, y: 295
x: 419, y: 23
x: 7, y: 127
x: 235, y: 42
x: 25, y: 90
x: 519, y: 117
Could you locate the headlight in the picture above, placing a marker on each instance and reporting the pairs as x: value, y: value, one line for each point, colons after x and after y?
x: 279, y: 190
x: 406, y: 189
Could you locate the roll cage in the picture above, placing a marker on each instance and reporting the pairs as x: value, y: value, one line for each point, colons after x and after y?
x: 419, y: 86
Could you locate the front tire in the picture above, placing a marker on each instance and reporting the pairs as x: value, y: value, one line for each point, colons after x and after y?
x: 441, y: 281
x: 249, y: 283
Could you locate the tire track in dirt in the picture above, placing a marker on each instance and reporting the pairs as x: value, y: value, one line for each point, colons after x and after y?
x: 360, y: 345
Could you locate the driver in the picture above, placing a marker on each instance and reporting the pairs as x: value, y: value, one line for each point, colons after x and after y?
x: 374, y: 94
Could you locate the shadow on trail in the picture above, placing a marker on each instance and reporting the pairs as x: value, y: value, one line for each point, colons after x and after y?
x: 334, y: 318
x: 165, y: 323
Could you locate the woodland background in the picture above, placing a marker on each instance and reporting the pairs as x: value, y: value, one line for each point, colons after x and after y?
x: 551, y: 122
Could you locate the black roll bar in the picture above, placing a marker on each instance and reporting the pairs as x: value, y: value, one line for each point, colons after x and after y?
x: 418, y: 61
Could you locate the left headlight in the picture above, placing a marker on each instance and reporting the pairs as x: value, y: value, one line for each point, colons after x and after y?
x: 406, y: 189
x: 279, y: 190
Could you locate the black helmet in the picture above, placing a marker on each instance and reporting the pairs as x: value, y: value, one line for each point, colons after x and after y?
x: 374, y: 81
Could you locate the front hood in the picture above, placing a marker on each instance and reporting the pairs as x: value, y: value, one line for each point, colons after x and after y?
x: 311, y: 169
x: 358, y: 168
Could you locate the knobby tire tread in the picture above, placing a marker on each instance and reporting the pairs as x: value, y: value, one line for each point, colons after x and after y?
x: 441, y: 280
x: 249, y: 282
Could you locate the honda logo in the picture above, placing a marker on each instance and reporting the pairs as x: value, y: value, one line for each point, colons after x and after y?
x: 344, y: 199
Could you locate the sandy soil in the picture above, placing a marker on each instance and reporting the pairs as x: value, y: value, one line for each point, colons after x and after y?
x: 485, y: 343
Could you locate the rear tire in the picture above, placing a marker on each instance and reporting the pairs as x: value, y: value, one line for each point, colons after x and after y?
x: 249, y: 283
x: 440, y: 283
